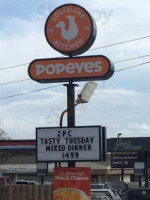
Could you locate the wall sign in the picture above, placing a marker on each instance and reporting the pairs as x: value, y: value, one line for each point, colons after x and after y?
x: 70, y: 29
x: 76, y: 69
x: 124, y: 160
x: 69, y: 144
x: 128, y: 144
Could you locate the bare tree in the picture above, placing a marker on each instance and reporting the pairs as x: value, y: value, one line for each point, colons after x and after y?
x: 3, y: 135
x: 4, y: 155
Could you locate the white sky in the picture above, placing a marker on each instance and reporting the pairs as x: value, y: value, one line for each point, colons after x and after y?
x: 121, y: 104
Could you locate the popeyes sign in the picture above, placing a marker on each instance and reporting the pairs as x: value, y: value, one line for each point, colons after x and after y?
x: 70, y: 30
x: 76, y: 69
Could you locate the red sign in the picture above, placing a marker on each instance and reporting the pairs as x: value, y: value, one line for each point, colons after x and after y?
x: 72, y: 183
x: 70, y: 29
x: 75, y: 69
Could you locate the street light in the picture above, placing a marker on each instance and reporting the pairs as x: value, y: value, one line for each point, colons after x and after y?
x: 86, y: 92
x: 122, y: 167
x: 119, y: 134
x: 83, y: 97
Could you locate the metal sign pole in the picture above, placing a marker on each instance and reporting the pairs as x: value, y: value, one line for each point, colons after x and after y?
x: 122, y: 174
x: 146, y: 168
x: 42, y: 180
x: 71, y: 104
x: 71, y: 110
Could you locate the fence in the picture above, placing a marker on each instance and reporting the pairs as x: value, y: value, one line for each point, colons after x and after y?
x: 26, y: 192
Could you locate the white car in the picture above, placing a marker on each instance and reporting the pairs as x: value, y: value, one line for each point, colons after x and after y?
x: 104, y: 194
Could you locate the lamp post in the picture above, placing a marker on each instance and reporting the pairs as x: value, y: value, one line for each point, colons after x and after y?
x: 83, y: 97
x: 122, y: 168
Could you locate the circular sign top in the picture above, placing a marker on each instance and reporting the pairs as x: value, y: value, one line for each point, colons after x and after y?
x: 70, y: 29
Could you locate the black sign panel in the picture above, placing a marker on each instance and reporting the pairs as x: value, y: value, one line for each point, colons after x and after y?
x: 128, y: 144
x: 124, y: 159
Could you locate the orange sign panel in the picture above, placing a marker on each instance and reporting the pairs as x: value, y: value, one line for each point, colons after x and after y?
x: 74, y: 69
x: 70, y: 29
x: 72, y: 183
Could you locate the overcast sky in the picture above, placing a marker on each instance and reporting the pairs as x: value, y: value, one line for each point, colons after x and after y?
x: 121, y: 103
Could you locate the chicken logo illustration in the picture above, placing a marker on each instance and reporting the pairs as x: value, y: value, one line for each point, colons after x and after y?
x: 72, y: 32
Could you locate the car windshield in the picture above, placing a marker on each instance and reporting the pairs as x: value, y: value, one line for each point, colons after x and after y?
x: 97, y: 195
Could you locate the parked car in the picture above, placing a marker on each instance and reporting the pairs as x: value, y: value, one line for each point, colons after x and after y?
x: 117, y: 194
x: 104, y: 194
x: 25, y: 182
x: 117, y: 185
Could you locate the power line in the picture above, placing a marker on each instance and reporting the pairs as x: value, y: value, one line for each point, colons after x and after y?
x: 134, y: 58
x: 127, y: 41
x: 119, y: 70
x: 6, y: 83
x: 20, y: 94
x: 115, y: 71
x: 11, y: 96
x: 14, y: 66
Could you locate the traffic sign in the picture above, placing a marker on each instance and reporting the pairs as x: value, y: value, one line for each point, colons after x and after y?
x: 75, y: 69
x: 69, y: 144
x: 70, y: 29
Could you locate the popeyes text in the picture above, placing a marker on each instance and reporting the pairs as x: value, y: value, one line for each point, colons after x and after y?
x: 60, y: 69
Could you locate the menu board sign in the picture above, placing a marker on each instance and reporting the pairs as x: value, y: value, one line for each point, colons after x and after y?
x: 70, y: 144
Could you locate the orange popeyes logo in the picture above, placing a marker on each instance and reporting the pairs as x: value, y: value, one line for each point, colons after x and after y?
x: 76, y: 69
x: 68, y: 28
